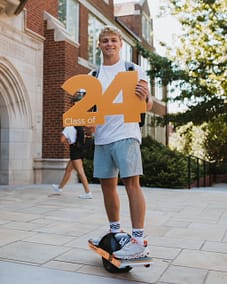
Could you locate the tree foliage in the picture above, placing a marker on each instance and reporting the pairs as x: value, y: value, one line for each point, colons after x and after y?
x: 215, y: 141
x: 189, y: 140
x: 203, y: 51
x: 198, y: 71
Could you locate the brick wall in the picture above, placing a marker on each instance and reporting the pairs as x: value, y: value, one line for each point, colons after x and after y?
x: 35, y: 11
x: 35, y: 15
x: 106, y: 9
x: 83, y: 32
x: 59, y: 64
x: 51, y: 6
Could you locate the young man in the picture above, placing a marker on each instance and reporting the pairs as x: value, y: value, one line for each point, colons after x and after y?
x: 117, y: 149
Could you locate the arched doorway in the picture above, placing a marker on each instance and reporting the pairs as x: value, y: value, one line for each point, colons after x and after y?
x: 16, y: 161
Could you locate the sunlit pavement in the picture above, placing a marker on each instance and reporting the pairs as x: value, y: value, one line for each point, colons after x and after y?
x: 43, y: 236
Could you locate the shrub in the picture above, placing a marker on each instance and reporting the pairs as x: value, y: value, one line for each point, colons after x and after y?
x: 162, y: 166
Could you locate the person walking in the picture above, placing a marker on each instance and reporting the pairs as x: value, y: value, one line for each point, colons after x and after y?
x: 117, y: 149
x: 65, y: 178
x: 74, y: 137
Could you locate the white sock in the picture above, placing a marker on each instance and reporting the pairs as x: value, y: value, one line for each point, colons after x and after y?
x: 115, y: 227
x: 138, y: 234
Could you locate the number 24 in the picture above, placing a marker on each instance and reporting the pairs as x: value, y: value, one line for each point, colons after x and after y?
x: 79, y: 114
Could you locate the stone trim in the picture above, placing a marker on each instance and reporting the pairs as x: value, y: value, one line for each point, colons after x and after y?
x: 60, y: 33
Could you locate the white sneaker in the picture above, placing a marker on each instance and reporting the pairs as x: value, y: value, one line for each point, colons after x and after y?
x: 87, y: 195
x: 56, y: 188
x: 132, y: 250
x: 97, y: 240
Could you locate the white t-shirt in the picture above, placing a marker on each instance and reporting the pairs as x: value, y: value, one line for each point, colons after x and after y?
x: 70, y: 134
x: 114, y: 128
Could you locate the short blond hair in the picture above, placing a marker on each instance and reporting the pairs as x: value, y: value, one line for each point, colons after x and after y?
x: 110, y: 30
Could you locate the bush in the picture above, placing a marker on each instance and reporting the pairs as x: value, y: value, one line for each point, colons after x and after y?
x: 162, y: 166
x: 88, y: 166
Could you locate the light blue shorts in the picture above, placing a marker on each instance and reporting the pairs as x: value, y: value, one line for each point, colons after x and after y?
x: 122, y: 157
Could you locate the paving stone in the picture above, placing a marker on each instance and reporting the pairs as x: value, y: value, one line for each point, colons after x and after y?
x: 223, y: 219
x: 36, y: 275
x: 177, y: 224
x: 30, y: 252
x: 215, y: 247
x: 199, y: 233
x: 8, y: 236
x: 184, y: 275
x: 202, y: 260
x: 225, y: 238
x: 79, y: 256
x: 22, y: 226
x: 175, y: 242
x: 216, y: 278
x: 164, y: 252
x: 14, y: 216
x: 147, y: 275
x: 49, y: 239
x: 186, y: 232
x: 66, y: 266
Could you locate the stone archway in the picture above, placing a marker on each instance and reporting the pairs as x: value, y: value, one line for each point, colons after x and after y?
x: 15, y: 128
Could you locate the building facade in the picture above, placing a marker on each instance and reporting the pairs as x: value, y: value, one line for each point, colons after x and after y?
x: 44, y: 43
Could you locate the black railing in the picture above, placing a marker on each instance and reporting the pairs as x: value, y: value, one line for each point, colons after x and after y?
x: 199, y: 172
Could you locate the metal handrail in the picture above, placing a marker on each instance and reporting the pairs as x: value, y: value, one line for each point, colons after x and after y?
x: 206, y: 175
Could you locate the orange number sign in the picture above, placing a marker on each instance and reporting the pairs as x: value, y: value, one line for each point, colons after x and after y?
x: 79, y: 114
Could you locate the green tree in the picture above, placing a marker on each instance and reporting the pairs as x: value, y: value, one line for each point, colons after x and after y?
x: 189, y: 140
x: 203, y: 50
x: 197, y: 69
x: 203, y: 54
x: 215, y: 141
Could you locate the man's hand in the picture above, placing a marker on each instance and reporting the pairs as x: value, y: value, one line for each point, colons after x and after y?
x: 142, y: 90
x: 143, y: 93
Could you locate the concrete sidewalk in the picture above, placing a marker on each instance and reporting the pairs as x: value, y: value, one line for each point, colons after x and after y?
x: 43, y: 236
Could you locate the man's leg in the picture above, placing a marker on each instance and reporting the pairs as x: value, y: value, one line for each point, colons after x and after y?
x: 111, y: 198
x: 136, y: 201
x: 137, y: 247
x: 105, y: 169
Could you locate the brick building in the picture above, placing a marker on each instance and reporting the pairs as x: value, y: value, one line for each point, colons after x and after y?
x: 43, y: 43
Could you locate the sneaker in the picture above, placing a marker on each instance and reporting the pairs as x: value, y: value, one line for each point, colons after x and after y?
x: 87, y: 195
x: 132, y: 250
x: 56, y: 188
x: 95, y: 241
x: 101, y: 236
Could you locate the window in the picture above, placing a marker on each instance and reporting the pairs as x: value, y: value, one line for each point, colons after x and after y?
x: 126, y: 51
x: 94, y: 27
x: 145, y: 64
x: 146, y: 28
x: 68, y: 14
x: 158, y: 89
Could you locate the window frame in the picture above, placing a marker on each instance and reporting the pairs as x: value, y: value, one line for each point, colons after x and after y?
x: 66, y: 19
x: 146, y: 28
